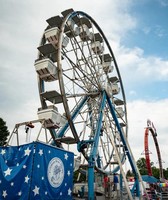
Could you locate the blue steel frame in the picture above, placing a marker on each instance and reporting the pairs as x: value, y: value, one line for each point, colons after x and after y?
x: 127, y: 150
x: 92, y: 158
x: 95, y: 141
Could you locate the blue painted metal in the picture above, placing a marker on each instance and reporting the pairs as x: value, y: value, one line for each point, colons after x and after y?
x: 98, y: 161
x: 93, y: 154
x: 54, y: 134
x: 91, y: 181
x: 83, y: 144
x: 136, y: 188
x: 99, y: 125
x: 90, y: 115
x: 125, y: 144
x: 65, y: 127
x: 74, y: 114
x: 42, y: 86
x: 121, y: 182
x: 138, y: 193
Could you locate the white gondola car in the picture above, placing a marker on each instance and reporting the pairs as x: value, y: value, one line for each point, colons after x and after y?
x: 106, y: 60
x: 108, y: 90
x: 119, y: 112
x: 73, y: 33
x: 97, y: 47
x: 46, y: 70
x: 52, y: 35
x: 52, y: 117
x: 84, y: 33
x: 115, y: 88
x: 71, y: 24
x: 65, y: 41
x: 107, y: 67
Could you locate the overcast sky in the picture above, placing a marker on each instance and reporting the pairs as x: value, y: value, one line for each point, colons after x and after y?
x: 138, y: 34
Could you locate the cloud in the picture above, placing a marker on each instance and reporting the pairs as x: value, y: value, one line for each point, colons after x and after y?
x: 138, y: 113
x: 163, y: 3
x: 159, y: 31
x: 133, y: 63
x: 147, y: 30
x: 132, y: 92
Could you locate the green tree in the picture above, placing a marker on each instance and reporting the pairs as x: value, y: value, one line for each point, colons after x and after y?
x: 141, y: 164
x: 3, y: 132
x: 156, y: 172
x: 165, y: 172
x: 129, y: 173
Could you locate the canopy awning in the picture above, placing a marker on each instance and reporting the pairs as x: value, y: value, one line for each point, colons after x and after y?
x: 149, y: 179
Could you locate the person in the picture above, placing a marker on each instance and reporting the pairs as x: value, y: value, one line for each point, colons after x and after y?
x: 105, y: 184
x: 153, y: 192
x: 115, y: 182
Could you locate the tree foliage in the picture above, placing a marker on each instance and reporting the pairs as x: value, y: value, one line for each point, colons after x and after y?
x: 3, y: 132
x: 156, y: 172
x: 141, y: 164
x: 165, y: 172
x: 129, y: 173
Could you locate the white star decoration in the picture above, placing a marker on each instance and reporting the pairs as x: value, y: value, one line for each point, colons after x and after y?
x: 68, y: 173
x: 24, y: 166
x: 36, y: 190
x: 8, y: 172
x: 19, y: 193
x: 27, y: 152
x: 41, y: 152
x: 69, y: 191
x: 66, y: 156
x: 12, y: 184
x: 27, y: 179
x: 4, y: 194
x: 3, y: 151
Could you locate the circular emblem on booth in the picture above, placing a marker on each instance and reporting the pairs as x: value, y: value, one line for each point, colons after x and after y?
x: 55, y: 172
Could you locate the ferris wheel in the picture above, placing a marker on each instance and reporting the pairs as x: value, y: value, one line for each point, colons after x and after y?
x: 83, y: 105
x: 80, y: 87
